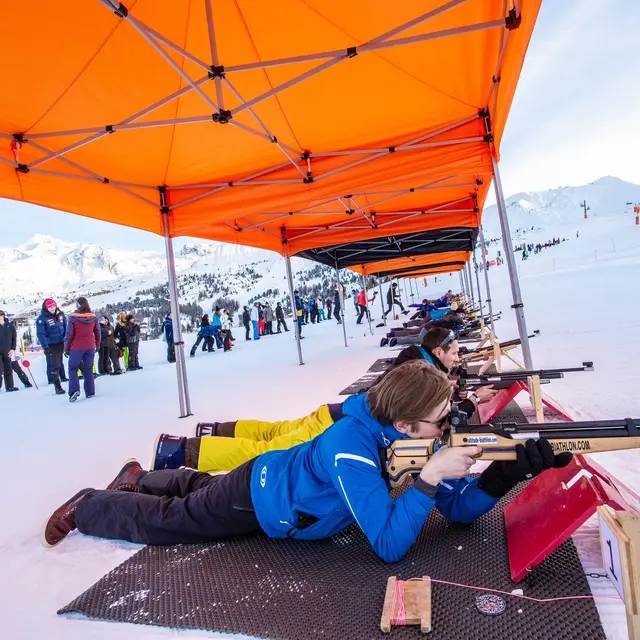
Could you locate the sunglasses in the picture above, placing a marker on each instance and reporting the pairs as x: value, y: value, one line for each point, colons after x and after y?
x: 450, y: 338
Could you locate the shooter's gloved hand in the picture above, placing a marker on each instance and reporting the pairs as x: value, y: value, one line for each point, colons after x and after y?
x: 532, y: 459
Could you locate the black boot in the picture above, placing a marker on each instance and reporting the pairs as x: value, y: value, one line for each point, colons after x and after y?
x: 59, y: 390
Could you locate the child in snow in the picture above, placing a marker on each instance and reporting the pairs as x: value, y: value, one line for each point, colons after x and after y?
x: 132, y: 334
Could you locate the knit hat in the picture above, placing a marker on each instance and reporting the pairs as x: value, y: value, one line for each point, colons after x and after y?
x: 50, y: 302
x: 2, y: 313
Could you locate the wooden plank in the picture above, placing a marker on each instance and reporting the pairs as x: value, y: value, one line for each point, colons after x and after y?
x: 385, y: 620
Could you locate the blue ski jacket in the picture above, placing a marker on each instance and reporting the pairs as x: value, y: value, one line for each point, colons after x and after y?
x: 320, y: 487
x: 51, y: 328
x: 167, y: 325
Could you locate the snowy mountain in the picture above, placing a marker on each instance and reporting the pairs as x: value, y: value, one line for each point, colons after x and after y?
x: 46, y: 266
x: 557, y: 210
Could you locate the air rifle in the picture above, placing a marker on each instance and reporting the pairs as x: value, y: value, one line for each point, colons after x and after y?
x: 471, y: 382
x: 498, y: 441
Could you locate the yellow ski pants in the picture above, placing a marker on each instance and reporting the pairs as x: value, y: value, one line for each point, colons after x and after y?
x: 253, y: 437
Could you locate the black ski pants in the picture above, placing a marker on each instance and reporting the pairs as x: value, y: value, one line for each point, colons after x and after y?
x: 247, y: 331
x: 108, y: 357
x: 55, y: 358
x: 19, y: 371
x: 173, y: 506
x: 282, y: 322
x: 134, y: 363
x: 5, y: 362
x: 336, y: 314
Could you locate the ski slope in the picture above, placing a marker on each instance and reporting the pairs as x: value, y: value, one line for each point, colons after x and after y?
x: 582, y: 295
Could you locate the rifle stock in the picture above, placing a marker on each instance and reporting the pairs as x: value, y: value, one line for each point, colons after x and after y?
x: 498, y: 442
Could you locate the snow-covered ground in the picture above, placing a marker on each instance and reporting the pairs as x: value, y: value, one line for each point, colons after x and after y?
x: 586, y: 309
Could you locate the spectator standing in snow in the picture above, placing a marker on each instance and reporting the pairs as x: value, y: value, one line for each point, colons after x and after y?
x: 337, y: 305
x: 255, y: 321
x: 51, y: 327
x: 329, y: 308
x: 260, y: 319
x: 246, y: 321
x: 7, y: 349
x: 299, y: 311
x: 132, y: 333
x: 168, y: 336
x: 225, y: 330
x: 108, y: 355
x: 217, y: 327
x: 80, y: 344
x: 121, y: 338
x: 280, y: 318
x: 320, y: 304
x: 268, y: 319
x: 313, y: 303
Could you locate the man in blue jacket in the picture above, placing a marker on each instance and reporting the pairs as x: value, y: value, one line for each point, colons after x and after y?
x: 51, y: 327
x: 168, y: 336
x: 316, y: 489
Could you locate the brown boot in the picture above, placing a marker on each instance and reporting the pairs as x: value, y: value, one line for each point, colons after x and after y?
x: 128, y: 477
x: 63, y: 521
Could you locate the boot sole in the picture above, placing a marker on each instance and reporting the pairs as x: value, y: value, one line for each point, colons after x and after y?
x: 43, y: 539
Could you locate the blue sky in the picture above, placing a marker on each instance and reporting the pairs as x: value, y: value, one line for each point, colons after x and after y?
x: 574, y: 118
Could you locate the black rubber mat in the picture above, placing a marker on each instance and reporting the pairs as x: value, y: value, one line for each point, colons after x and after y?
x: 334, y: 589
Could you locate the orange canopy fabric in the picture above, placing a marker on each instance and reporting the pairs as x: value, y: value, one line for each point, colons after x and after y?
x: 413, y: 263
x: 429, y: 271
x: 316, y: 121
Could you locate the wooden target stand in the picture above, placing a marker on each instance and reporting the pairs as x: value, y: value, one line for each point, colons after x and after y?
x: 417, y: 604
x: 620, y: 545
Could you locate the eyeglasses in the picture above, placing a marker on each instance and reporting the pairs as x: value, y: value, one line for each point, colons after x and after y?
x: 439, y: 423
x: 450, y: 338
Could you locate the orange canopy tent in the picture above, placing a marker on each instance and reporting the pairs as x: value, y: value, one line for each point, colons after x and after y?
x: 289, y: 126
x: 414, y: 264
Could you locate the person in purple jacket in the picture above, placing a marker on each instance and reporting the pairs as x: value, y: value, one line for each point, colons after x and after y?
x: 80, y: 344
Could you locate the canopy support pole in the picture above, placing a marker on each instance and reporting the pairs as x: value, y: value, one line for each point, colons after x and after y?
x: 471, y: 289
x: 181, y: 368
x: 461, y: 283
x: 342, y: 301
x: 384, y: 318
x: 411, y: 289
x: 516, y: 295
x: 406, y: 295
x: 486, y: 277
x: 475, y: 268
x: 292, y: 295
x: 366, y: 299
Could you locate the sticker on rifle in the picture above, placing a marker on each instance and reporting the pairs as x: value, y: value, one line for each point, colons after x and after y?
x: 481, y: 440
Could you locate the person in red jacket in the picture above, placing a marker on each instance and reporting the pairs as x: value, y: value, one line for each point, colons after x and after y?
x: 80, y: 344
x: 362, y: 304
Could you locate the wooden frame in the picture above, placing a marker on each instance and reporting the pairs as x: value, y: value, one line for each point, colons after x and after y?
x: 417, y: 604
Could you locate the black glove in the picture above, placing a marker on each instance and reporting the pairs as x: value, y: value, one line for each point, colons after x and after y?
x: 531, y: 460
x: 47, y: 351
